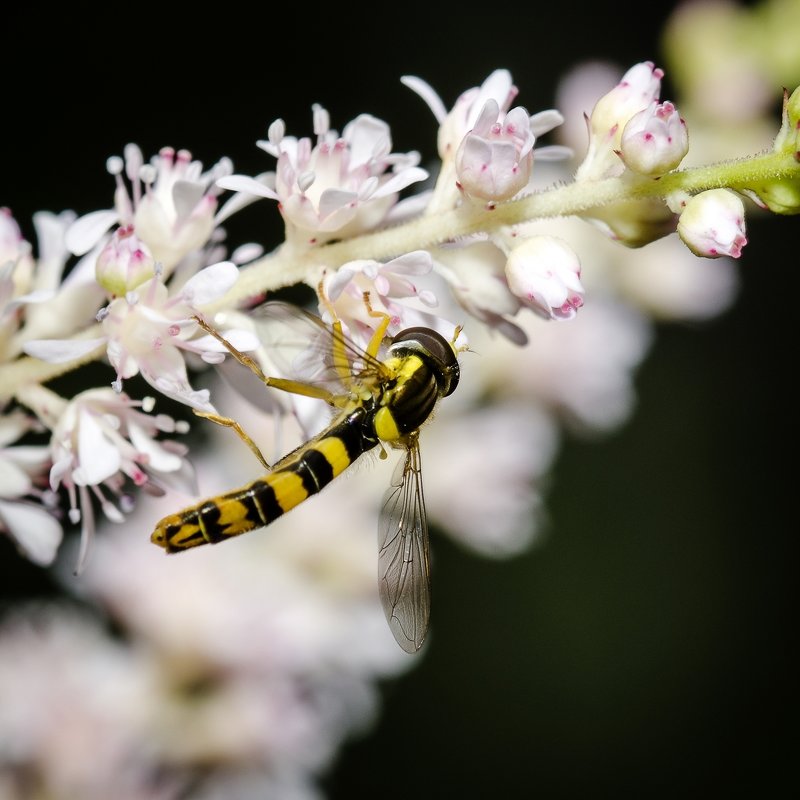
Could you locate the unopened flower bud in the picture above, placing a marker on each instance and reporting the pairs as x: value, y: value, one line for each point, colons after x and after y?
x: 495, y: 158
x: 655, y: 140
x: 712, y: 224
x: 636, y: 91
x: 124, y: 263
x: 544, y: 272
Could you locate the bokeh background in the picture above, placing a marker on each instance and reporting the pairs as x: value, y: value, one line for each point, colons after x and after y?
x: 643, y: 646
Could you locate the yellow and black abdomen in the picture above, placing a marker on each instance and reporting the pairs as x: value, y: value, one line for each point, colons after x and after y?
x: 304, y: 472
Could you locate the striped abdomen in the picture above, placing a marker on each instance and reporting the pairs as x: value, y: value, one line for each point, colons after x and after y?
x: 303, y: 472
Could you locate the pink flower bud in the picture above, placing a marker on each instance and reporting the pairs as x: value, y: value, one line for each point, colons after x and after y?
x: 636, y: 91
x: 495, y: 158
x: 655, y: 140
x: 544, y: 273
x: 124, y: 263
x: 712, y: 224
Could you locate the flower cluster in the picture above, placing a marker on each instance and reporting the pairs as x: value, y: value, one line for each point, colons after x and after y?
x: 285, y: 632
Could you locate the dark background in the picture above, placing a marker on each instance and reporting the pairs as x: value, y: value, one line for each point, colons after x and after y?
x: 643, y: 648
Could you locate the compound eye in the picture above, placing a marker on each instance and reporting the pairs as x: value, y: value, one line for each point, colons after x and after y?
x: 439, y: 352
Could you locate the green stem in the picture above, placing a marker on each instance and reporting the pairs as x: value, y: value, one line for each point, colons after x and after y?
x: 278, y: 270
x: 283, y: 268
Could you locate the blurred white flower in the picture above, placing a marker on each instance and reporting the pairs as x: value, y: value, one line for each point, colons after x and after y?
x: 35, y: 298
x: 582, y: 371
x: 77, y: 711
x: 489, y: 498
x: 23, y: 502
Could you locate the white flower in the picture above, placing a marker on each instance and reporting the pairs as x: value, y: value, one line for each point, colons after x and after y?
x: 477, y: 279
x: 485, y: 145
x: 16, y: 251
x: 35, y: 299
x: 23, y: 514
x: 78, y: 709
x: 544, y: 272
x: 655, y: 140
x: 712, y: 224
x: 491, y: 503
x: 338, y: 187
x: 494, y: 160
x: 581, y: 372
x: 171, y: 204
x: 387, y: 285
x: 460, y: 120
x: 100, y: 439
x: 147, y: 330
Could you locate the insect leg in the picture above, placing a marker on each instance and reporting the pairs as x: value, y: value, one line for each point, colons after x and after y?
x: 227, y: 422
x: 341, y: 362
x: 380, y: 332
x: 294, y: 387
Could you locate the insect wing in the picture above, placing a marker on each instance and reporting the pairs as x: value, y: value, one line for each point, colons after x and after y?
x: 303, y: 348
x: 403, y: 562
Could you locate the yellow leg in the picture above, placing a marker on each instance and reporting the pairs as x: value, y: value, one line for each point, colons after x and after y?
x: 380, y: 332
x: 341, y: 362
x: 227, y: 422
x: 293, y: 387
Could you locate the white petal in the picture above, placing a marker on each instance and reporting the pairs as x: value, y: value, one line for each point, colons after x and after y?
x: 57, y: 351
x: 553, y: 152
x: 244, y: 183
x: 400, y: 181
x: 12, y: 426
x: 181, y: 391
x: 242, y: 199
x: 99, y: 459
x: 331, y: 200
x: 545, y: 121
x: 186, y: 195
x: 50, y: 230
x: 31, y: 457
x: 246, y: 253
x: 14, y: 482
x: 39, y: 296
x: 87, y: 231
x: 418, y: 262
x: 240, y: 339
x: 210, y: 283
x: 427, y: 93
x: 36, y: 532
x: 157, y: 457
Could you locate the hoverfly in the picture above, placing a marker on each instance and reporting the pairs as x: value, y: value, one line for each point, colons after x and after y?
x: 386, y: 399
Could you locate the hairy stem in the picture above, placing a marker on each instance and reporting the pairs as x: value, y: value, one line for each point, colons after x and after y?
x: 281, y: 268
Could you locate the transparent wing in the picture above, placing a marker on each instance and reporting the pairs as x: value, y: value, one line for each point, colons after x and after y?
x: 403, y: 562
x: 301, y: 347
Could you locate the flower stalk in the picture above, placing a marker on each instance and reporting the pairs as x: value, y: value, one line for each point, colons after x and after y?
x: 281, y: 269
